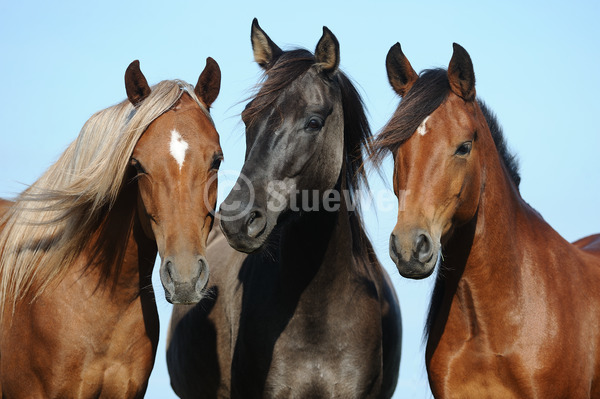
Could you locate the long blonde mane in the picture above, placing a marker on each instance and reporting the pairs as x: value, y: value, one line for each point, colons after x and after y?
x: 52, y: 221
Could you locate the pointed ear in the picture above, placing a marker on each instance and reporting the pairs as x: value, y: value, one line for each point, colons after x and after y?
x: 461, y: 74
x: 327, y: 53
x: 136, y: 84
x: 209, y: 83
x: 400, y: 73
x: 266, y: 52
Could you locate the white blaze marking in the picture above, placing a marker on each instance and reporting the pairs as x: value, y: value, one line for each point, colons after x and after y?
x: 422, y: 129
x: 178, y: 147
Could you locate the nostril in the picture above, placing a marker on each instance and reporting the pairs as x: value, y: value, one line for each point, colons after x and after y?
x: 393, y: 248
x: 202, y: 266
x: 202, y: 279
x: 169, y: 269
x: 255, y: 224
x: 167, y: 278
x: 423, y: 248
x: 421, y: 243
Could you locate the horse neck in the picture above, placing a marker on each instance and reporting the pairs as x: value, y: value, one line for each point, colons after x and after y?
x: 120, y: 257
x: 318, y: 244
x: 503, y: 232
x: 489, y: 258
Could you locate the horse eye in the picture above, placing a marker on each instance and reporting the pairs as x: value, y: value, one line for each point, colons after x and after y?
x: 138, y: 166
x: 464, y: 149
x: 314, y: 125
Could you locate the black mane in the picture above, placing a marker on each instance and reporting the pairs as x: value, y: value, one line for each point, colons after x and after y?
x: 428, y: 93
x: 510, y: 159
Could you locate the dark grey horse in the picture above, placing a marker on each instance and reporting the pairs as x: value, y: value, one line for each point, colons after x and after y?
x: 306, y: 310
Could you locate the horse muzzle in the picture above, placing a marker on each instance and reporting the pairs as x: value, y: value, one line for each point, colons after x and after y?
x: 184, y: 278
x: 415, y: 253
x: 243, y: 221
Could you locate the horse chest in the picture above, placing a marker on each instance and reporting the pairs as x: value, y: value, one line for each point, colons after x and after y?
x: 56, y: 350
x: 471, y: 368
x: 317, y: 356
x: 336, y: 370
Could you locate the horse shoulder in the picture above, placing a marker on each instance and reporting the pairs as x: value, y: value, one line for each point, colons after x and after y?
x: 63, y: 330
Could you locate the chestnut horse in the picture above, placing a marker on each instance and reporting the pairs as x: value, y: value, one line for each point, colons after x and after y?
x: 78, y: 247
x: 515, y: 311
x: 308, y: 311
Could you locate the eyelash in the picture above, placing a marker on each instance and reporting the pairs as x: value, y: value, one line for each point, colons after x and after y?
x: 216, y: 164
x: 138, y: 166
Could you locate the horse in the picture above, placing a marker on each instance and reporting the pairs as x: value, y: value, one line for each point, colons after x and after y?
x: 299, y: 305
x: 77, y: 248
x: 515, y: 308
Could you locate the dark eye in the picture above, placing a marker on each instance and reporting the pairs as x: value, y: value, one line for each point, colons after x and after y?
x: 464, y: 149
x: 138, y: 166
x: 314, y: 125
x: 216, y: 163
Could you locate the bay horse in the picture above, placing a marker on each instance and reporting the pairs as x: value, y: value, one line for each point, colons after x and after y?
x: 79, y: 319
x: 515, y: 311
x: 305, y: 309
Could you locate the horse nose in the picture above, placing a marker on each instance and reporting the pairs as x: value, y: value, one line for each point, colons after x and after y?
x: 184, y: 280
x: 255, y: 223
x: 203, y: 273
x: 414, y: 252
x: 423, y: 248
x: 394, y: 248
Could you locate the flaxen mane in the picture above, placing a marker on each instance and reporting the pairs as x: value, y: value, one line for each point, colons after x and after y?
x: 52, y: 221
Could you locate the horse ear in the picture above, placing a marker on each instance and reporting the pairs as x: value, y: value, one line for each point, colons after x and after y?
x: 209, y: 83
x: 461, y: 74
x: 327, y: 53
x: 266, y: 52
x: 400, y: 73
x: 136, y: 84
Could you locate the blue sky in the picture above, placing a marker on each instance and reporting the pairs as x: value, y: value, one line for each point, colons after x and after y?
x: 536, y: 65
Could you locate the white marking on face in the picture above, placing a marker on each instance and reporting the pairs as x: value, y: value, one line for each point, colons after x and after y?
x: 178, y: 147
x: 422, y: 129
